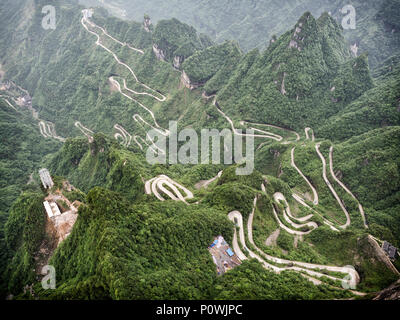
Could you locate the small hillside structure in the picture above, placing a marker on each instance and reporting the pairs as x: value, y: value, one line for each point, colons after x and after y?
x: 46, y: 178
x: 52, y: 209
x: 390, y: 250
x: 223, y: 256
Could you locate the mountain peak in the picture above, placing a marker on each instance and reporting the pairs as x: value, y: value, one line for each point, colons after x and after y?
x: 175, y: 38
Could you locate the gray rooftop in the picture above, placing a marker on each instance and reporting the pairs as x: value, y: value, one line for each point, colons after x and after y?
x: 46, y: 178
x: 392, y: 252
x: 385, y: 246
x: 389, y: 249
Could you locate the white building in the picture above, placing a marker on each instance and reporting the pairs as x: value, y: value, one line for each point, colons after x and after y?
x: 51, y: 209
x: 46, y: 178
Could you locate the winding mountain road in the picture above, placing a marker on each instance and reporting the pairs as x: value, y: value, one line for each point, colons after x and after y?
x: 123, y: 134
x: 314, y: 191
x: 157, y: 185
x: 205, y: 183
x: 123, y: 44
x: 310, y: 270
x: 48, y: 130
x: 279, y: 197
x: 162, y: 185
x: 278, y: 138
x: 87, y: 132
x: 85, y: 19
x: 360, y: 208
x: 275, y: 127
x: 137, y: 138
x: 307, y: 135
x: 348, y: 220
x: 8, y: 102
x: 154, y: 93
x: 266, y: 134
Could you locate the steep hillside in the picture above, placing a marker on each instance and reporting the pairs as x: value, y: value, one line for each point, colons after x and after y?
x: 307, y: 223
x: 22, y: 149
x: 23, y: 234
x: 253, y: 23
x: 213, y: 65
x: 376, y: 108
x: 177, y: 40
x: 124, y: 249
x: 304, y: 76
x: 72, y: 72
x: 104, y: 164
x: 367, y: 164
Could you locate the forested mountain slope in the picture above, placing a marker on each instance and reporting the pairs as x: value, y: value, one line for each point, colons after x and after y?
x: 22, y: 149
x: 304, y: 76
x: 326, y: 155
x: 124, y: 249
x: 376, y: 108
x: 254, y: 22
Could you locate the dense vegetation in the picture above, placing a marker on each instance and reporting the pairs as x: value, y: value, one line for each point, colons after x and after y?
x: 23, y: 234
x: 178, y: 39
x: 129, y: 245
x: 376, y: 108
x: 253, y: 23
x: 140, y: 246
x: 147, y: 249
x: 21, y: 151
x: 304, y: 76
x: 252, y: 282
x: 213, y: 65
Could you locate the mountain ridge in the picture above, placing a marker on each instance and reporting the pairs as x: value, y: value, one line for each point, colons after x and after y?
x: 103, y: 78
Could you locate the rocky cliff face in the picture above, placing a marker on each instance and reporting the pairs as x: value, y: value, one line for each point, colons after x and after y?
x: 185, y: 81
x: 177, y: 62
x: 296, y: 38
x: 158, y: 52
x: 390, y: 293
x: 354, y: 49
x: 146, y: 24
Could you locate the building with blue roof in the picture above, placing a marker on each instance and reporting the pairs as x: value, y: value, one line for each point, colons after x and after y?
x: 214, y: 243
x: 229, y: 252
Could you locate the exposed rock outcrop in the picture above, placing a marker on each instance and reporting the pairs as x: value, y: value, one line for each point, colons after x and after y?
x: 283, y: 91
x: 293, y: 44
x: 177, y: 62
x: 158, y: 52
x: 276, y: 153
x: 354, y: 49
x: 63, y: 224
x: 185, y: 81
x: 147, y: 23
x: 296, y: 38
x: 390, y: 293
